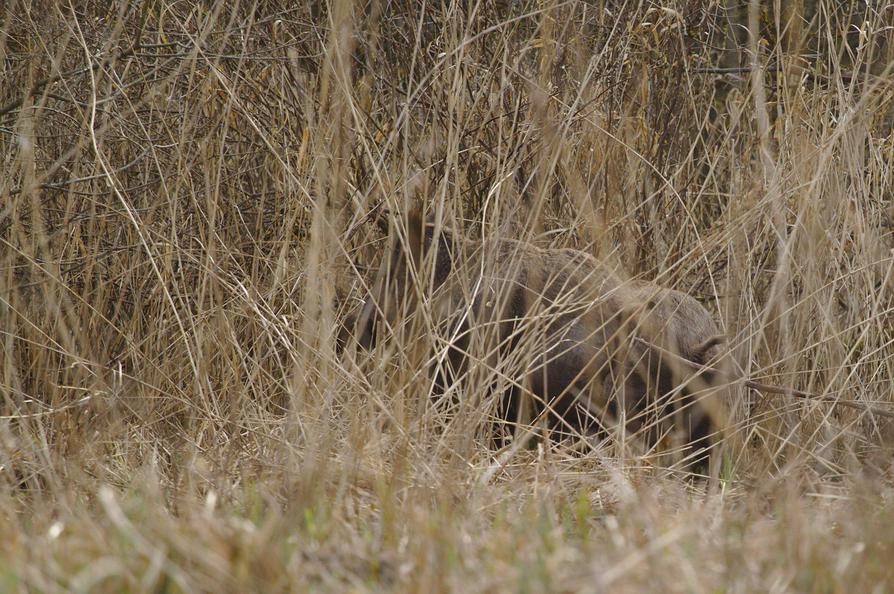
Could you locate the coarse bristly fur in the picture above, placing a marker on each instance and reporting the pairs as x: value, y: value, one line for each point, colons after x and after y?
x: 565, y: 337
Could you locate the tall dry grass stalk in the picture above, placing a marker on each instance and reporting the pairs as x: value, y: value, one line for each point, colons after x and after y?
x: 185, y: 208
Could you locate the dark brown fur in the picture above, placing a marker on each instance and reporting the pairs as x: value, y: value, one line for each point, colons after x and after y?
x: 594, y: 346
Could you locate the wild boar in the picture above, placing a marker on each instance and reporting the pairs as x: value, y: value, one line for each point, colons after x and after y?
x: 567, y: 338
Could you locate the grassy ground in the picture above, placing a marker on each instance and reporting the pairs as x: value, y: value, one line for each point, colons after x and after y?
x: 184, y: 205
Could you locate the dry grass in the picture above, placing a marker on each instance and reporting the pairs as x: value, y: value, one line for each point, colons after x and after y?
x: 183, y: 222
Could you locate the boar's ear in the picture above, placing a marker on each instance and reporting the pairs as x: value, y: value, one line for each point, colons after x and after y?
x: 445, y: 233
x: 429, y: 228
x: 381, y: 215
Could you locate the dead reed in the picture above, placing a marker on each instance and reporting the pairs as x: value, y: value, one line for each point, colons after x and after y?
x: 184, y: 226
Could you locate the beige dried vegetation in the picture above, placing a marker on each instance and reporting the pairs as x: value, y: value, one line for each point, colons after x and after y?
x: 186, y: 204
